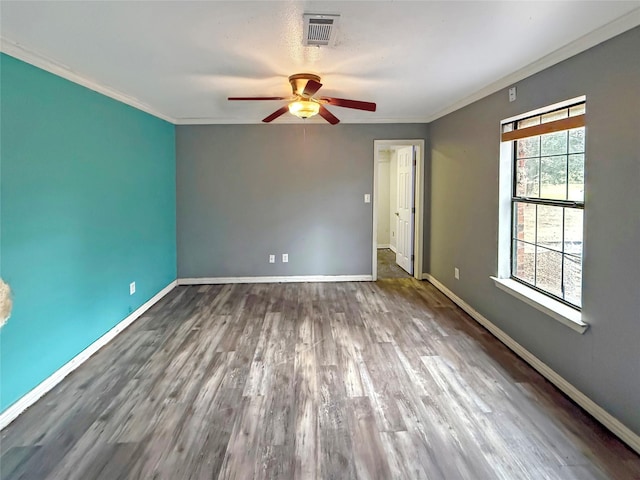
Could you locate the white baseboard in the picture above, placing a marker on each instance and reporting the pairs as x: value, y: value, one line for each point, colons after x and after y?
x: 600, y: 414
x: 384, y: 245
x: 11, y: 413
x: 282, y: 279
x: 393, y: 248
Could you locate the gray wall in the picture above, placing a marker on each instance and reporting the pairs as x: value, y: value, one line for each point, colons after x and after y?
x: 604, y: 363
x: 245, y: 191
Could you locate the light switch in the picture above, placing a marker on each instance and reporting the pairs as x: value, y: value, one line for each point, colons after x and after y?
x: 512, y: 94
x: 367, y: 198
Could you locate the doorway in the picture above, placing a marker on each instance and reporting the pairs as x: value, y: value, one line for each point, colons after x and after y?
x: 398, y: 192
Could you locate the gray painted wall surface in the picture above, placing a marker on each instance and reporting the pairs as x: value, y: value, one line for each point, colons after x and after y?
x: 246, y: 191
x: 604, y: 363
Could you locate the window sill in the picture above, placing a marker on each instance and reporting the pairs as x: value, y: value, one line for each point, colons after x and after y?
x: 557, y: 310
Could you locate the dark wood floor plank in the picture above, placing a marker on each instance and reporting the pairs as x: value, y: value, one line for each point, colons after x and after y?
x: 13, y: 460
x: 380, y: 383
x: 326, y: 350
x: 211, y: 436
x: 309, y: 381
x: 244, y: 351
x: 115, y: 463
x: 388, y: 417
x: 243, y: 456
x: 306, y: 466
x: 335, y: 443
x: 403, y: 457
x: 279, y: 426
x: 348, y: 355
x: 208, y: 421
x: 368, y: 451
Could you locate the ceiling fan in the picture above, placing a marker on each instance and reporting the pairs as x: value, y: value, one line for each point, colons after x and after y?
x: 303, y: 104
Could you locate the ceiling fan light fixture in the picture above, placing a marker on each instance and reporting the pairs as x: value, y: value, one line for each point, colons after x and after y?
x: 303, y: 104
x: 304, y: 108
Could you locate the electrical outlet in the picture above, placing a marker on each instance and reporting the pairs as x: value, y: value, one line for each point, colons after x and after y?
x: 272, y: 258
x: 285, y: 258
x: 512, y: 94
x: 456, y: 273
x: 367, y: 198
x: 132, y: 288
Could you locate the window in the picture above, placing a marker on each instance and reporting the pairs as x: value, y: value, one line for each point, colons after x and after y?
x: 547, y: 201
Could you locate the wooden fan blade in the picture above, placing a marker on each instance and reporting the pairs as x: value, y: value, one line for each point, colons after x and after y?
x: 358, y: 105
x: 257, y: 98
x: 328, y: 116
x: 276, y: 114
x: 311, y: 88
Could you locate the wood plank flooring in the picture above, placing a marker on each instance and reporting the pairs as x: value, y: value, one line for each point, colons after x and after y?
x: 387, y: 266
x: 385, y: 380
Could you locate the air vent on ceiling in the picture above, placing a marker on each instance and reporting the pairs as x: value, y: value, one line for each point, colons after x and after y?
x: 320, y: 29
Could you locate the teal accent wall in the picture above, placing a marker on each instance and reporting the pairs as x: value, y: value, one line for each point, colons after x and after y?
x: 87, y: 206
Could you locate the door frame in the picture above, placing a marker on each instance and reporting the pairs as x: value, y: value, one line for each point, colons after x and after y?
x: 418, y: 200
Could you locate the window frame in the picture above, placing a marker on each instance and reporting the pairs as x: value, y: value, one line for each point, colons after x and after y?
x: 515, y: 198
x: 549, y: 304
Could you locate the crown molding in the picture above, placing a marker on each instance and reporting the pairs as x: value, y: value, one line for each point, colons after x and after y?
x: 610, y: 30
x: 292, y: 121
x: 591, y: 39
x: 43, y: 62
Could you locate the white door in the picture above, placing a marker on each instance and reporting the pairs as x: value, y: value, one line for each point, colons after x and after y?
x: 405, y: 208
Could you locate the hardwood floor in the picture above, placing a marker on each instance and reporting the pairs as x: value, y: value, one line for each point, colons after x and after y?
x: 387, y: 267
x: 308, y: 381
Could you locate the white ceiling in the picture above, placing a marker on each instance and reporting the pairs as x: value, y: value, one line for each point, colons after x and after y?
x: 417, y: 60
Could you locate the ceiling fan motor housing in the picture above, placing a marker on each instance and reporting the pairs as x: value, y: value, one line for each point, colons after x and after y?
x: 299, y: 82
